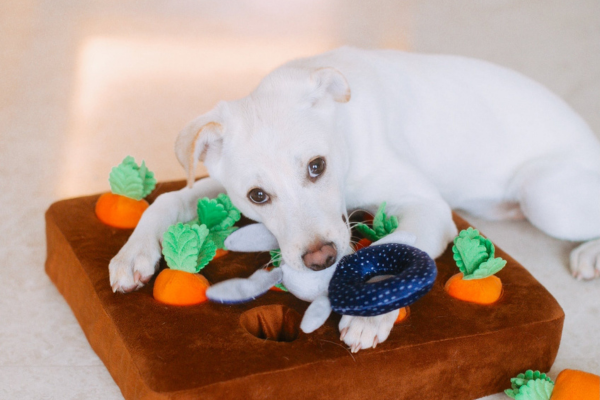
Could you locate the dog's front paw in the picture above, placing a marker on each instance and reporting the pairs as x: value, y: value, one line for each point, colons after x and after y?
x: 134, y: 265
x: 366, y: 332
x: 585, y: 260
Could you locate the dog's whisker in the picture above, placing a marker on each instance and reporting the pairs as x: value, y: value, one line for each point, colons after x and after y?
x: 356, y: 211
x: 353, y: 224
x: 343, y: 347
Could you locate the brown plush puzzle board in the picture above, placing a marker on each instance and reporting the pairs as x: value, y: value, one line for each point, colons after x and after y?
x: 447, y: 349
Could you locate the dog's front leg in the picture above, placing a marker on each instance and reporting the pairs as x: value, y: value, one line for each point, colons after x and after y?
x: 136, y: 262
x: 430, y: 221
x: 425, y: 224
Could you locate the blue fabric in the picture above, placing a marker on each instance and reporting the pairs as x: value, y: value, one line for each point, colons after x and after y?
x: 413, y: 271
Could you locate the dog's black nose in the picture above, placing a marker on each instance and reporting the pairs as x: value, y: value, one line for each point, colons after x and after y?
x: 320, y: 256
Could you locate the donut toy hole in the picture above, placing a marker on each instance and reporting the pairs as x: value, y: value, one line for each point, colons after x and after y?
x: 379, y: 279
x: 274, y: 322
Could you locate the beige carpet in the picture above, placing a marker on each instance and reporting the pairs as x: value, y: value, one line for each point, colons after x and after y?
x: 82, y: 84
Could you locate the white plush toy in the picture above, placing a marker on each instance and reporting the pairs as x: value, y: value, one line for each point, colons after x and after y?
x: 307, y: 285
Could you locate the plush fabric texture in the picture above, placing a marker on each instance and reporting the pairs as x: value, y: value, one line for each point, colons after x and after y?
x: 576, y: 385
x: 413, y: 273
x: 447, y: 349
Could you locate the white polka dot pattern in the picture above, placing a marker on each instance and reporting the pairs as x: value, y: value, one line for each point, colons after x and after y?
x: 414, y: 274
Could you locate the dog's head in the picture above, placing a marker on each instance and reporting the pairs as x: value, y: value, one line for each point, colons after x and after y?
x: 279, y: 155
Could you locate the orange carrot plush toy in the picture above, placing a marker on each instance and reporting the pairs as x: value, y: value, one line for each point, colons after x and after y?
x: 382, y: 225
x: 474, y: 256
x: 124, y: 205
x: 570, y: 385
x: 188, y: 248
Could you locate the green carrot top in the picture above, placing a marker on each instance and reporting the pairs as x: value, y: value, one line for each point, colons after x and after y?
x: 130, y: 180
x: 275, y: 257
x: 382, y: 225
x: 187, y: 247
x: 474, y: 255
x: 191, y: 246
x: 219, y: 215
x: 531, y: 385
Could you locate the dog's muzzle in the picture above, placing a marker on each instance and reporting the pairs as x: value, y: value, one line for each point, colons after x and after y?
x: 320, y: 257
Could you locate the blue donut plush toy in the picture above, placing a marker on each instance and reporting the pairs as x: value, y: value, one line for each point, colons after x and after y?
x: 413, y: 274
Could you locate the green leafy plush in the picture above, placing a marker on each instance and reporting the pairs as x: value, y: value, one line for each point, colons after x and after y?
x: 233, y: 214
x: 148, y: 179
x: 367, y: 232
x: 281, y: 286
x: 130, y: 180
x: 126, y: 181
x: 219, y: 215
x: 487, y: 268
x: 382, y: 225
x: 207, y: 252
x: 276, y: 261
x: 275, y: 257
x: 210, y: 212
x: 187, y: 247
x: 522, y: 380
x: 218, y: 237
x: 538, y: 389
x: 474, y: 255
x: 470, y: 250
x: 181, y: 246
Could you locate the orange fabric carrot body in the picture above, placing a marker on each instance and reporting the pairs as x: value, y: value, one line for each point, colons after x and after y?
x: 481, y: 291
x: 188, y: 248
x: 180, y: 288
x: 402, y: 315
x: 120, y: 211
x: 129, y: 184
x: 475, y: 258
x: 576, y: 385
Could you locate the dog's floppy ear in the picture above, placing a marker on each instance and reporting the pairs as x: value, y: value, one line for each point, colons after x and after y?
x: 201, y: 137
x: 330, y: 81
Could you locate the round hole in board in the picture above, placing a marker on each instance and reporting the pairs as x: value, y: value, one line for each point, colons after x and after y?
x: 273, y: 322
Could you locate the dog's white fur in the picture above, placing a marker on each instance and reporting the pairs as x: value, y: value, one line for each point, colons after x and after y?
x: 307, y: 285
x: 426, y: 133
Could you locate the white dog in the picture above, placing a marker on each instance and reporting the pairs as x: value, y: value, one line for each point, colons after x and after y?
x: 352, y: 128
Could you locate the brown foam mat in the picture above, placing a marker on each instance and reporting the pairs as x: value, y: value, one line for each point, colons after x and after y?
x: 447, y: 349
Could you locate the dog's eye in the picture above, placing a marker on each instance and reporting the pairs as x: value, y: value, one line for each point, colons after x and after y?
x: 258, y: 196
x: 315, y: 168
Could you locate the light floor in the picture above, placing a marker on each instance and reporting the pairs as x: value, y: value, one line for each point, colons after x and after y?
x: 84, y: 83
